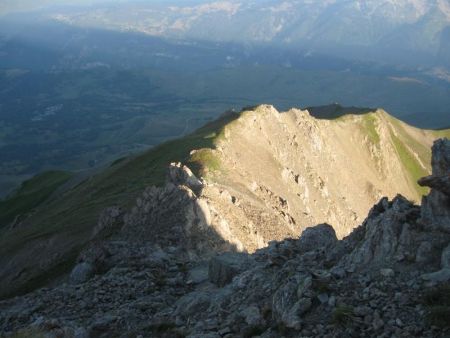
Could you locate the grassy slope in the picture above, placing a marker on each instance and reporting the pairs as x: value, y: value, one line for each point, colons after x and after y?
x: 442, y: 133
x: 404, y: 144
x: 370, y: 122
x: 413, y: 168
x: 74, y: 214
x: 30, y: 194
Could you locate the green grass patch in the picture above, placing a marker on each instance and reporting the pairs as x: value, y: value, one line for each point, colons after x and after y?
x: 422, y: 150
x: 204, y: 161
x: 370, y: 125
x: 412, y: 167
x: 30, y: 194
x: 442, y: 133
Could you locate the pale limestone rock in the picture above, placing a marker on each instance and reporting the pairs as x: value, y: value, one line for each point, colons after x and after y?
x: 223, y: 268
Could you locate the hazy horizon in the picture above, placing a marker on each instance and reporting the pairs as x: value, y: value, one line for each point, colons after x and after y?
x: 84, y: 85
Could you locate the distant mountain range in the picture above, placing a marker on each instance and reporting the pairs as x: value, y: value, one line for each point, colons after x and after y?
x: 82, y: 85
x: 403, y: 31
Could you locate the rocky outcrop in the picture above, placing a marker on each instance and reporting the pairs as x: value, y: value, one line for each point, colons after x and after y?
x: 438, y: 183
x: 109, y: 221
x: 388, y: 278
x: 81, y: 273
x: 435, y: 206
x: 179, y: 174
x: 223, y: 268
x: 172, y: 215
x: 442, y: 275
x: 321, y: 236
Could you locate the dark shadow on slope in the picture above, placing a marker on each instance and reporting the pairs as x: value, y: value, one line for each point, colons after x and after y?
x: 147, y: 252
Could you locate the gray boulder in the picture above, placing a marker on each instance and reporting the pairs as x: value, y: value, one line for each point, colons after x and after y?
x: 81, y: 273
x: 319, y: 237
x: 198, y: 274
x: 438, y: 276
x: 286, y: 307
x: 442, y: 275
x: 424, y: 253
x: 445, y: 258
x: 104, y: 327
x: 440, y: 183
x: 192, y: 304
x: 222, y: 269
x: 110, y: 220
x: 179, y: 174
x: 252, y: 315
x: 385, y: 238
x: 435, y: 209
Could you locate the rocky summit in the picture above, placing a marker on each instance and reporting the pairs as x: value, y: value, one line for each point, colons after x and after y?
x: 151, y: 271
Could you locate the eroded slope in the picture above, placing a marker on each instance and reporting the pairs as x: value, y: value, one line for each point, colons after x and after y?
x: 279, y: 173
x: 265, y: 176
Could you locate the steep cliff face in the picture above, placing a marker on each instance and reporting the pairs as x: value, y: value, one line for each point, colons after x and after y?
x: 280, y: 172
x: 260, y: 175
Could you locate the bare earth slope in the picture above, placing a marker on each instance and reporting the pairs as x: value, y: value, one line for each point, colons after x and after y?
x: 282, y: 172
x: 265, y: 176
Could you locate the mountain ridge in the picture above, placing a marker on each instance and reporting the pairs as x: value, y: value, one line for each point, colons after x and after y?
x: 146, y: 273
x: 381, y: 25
x: 212, y: 152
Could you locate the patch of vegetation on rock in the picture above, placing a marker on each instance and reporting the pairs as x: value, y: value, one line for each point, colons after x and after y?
x: 370, y: 124
x: 204, y: 161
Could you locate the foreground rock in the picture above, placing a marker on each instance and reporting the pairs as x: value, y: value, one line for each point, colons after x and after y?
x: 222, y: 269
x: 389, y: 278
x: 435, y: 206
